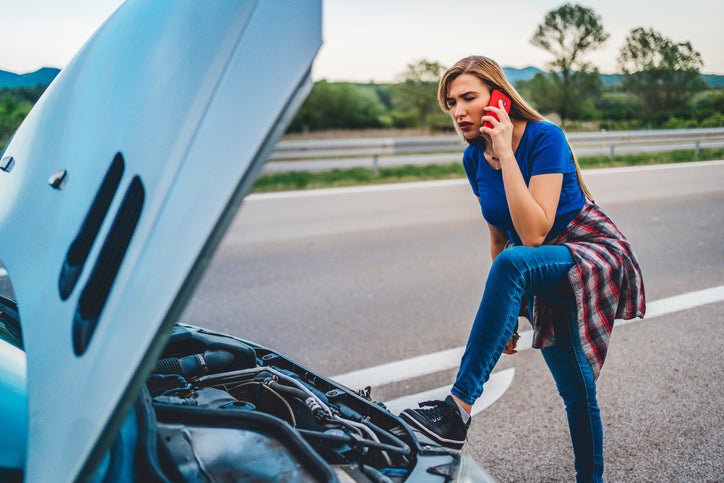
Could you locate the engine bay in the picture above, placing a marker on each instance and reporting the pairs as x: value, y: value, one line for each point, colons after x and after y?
x: 223, y: 406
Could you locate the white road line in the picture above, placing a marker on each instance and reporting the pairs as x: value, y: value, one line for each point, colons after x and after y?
x: 450, y: 358
x: 355, y: 189
x: 456, y: 182
x: 492, y: 390
x: 652, y: 167
x: 681, y: 302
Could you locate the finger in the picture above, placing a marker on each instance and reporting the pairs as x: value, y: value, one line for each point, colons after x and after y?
x: 491, y: 119
x: 493, y: 108
x: 503, y: 113
x: 486, y: 130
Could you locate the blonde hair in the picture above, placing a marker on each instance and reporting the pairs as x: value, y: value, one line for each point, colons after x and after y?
x: 490, y: 73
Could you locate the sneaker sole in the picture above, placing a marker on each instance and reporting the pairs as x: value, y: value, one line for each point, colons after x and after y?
x: 448, y: 443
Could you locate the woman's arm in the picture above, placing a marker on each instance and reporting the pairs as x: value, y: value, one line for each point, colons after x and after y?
x: 532, y: 208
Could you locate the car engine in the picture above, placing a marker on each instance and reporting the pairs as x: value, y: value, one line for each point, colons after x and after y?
x: 226, y: 409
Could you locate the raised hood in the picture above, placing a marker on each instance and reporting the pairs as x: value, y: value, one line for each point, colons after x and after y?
x: 118, y: 186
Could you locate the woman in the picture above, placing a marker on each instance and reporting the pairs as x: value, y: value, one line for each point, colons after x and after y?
x: 551, y: 244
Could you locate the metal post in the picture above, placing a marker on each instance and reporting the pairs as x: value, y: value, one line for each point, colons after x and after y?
x: 697, y: 145
x: 611, y: 152
x: 375, y: 165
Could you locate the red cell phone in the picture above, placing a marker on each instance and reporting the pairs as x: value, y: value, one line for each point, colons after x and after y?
x: 495, y: 98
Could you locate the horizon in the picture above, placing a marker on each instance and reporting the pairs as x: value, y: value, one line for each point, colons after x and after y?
x: 47, y: 34
x: 367, y: 82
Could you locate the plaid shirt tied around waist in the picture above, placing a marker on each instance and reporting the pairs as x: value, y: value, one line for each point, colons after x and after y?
x: 606, y: 280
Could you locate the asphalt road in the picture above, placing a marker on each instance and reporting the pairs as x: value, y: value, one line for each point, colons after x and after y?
x: 347, y: 279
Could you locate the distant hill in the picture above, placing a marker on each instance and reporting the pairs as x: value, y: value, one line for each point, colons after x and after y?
x: 713, y: 80
x: 514, y: 75
x: 41, y: 77
x: 44, y: 76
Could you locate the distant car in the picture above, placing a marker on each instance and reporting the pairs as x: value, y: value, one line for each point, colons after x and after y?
x: 114, y: 193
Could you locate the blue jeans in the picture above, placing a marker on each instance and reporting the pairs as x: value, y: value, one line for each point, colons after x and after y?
x: 541, y: 272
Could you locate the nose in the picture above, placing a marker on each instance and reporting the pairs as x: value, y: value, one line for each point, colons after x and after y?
x: 458, y: 112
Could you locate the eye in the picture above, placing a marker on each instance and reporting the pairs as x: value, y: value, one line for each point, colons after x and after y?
x: 469, y: 98
x: 450, y: 104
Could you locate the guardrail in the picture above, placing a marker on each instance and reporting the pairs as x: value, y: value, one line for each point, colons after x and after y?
x: 326, y: 154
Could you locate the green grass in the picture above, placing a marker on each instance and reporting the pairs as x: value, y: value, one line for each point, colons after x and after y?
x: 297, y: 180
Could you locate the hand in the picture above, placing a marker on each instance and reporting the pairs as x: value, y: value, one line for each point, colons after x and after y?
x: 512, y: 344
x: 501, y: 133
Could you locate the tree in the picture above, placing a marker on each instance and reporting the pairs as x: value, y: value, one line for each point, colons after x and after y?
x: 545, y: 92
x: 12, y: 113
x: 415, y: 97
x: 568, y: 33
x: 338, y: 105
x: 663, y: 73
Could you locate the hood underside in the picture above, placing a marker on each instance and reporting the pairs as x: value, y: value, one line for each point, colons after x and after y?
x: 124, y: 177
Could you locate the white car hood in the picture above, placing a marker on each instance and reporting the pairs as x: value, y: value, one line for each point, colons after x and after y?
x: 151, y: 135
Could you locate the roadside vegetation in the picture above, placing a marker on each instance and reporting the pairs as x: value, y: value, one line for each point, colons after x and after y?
x: 297, y: 180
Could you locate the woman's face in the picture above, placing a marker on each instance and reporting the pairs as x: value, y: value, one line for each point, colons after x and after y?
x: 466, y: 100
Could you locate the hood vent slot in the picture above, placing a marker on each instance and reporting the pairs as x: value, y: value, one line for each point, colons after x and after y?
x: 96, y: 291
x: 83, y: 242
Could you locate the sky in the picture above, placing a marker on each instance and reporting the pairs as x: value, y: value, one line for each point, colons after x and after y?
x: 373, y: 40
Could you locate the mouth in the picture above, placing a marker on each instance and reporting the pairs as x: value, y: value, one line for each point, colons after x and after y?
x: 465, y: 126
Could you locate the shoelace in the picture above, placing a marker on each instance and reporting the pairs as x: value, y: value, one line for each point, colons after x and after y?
x: 438, y: 410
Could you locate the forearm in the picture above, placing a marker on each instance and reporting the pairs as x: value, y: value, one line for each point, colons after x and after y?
x: 529, y: 218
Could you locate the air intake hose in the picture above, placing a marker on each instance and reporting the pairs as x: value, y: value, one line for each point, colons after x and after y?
x: 217, y: 358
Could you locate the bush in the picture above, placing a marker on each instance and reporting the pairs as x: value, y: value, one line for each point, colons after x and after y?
x: 715, y: 120
x: 618, y: 105
x: 707, y: 104
x: 338, y: 105
x: 674, y: 122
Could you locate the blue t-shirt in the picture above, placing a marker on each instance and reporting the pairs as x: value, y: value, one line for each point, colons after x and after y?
x: 543, y: 149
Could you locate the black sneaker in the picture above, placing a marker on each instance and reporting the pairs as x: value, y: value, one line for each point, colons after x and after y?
x: 442, y: 422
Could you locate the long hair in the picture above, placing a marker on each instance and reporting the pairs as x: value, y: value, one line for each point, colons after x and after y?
x: 490, y: 73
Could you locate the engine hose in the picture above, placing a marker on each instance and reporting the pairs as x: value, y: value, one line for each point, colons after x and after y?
x: 401, y: 444
x: 292, y: 391
x: 170, y: 365
x: 349, y: 440
x: 369, y: 432
x: 303, y: 396
x: 373, y: 474
x: 219, y: 379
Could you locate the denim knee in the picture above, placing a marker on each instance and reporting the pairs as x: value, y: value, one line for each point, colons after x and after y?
x: 510, y: 261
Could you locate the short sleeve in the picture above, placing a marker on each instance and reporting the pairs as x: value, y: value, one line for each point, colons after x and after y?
x: 471, y: 169
x: 550, y: 153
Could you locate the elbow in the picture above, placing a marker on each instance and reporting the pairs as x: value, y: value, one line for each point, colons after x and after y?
x: 533, y: 240
x: 536, y: 236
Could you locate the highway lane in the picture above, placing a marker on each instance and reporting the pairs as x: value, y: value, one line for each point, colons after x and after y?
x: 355, y: 279
x: 304, y: 271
